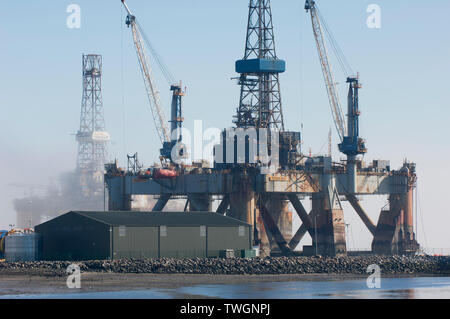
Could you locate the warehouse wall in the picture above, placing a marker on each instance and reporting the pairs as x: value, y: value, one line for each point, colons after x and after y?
x: 220, y: 238
x: 74, y: 237
x: 135, y: 242
x: 185, y: 242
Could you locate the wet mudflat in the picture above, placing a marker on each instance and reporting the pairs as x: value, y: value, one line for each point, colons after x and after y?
x: 274, y: 277
x: 160, y: 286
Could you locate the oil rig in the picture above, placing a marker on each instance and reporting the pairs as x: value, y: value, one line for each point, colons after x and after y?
x: 92, y: 137
x: 82, y: 188
x: 259, y: 167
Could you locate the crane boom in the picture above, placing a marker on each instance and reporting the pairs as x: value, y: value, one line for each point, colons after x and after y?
x: 152, y: 92
x: 330, y: 83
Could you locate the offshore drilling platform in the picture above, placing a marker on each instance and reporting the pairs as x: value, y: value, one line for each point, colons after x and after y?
x: 259, y: 167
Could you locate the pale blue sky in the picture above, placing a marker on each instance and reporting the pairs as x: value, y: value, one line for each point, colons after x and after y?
x: 404, y: 68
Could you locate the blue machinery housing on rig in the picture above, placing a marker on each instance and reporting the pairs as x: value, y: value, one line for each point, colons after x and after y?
x: 352, y: 144
x: 257, y: 66
x: 261, y: 198
x: 176, y: 123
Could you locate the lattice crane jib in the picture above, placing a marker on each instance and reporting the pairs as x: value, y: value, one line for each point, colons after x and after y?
x: 351, y: 144
x: 149, y: 81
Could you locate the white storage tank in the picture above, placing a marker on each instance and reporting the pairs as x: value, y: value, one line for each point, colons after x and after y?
x: 21, y: 247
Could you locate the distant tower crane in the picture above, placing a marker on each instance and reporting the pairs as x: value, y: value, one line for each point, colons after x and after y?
x: 169, y: 138
x: 351, y: 144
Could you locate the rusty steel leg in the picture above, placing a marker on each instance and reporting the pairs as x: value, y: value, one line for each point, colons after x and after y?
x: 394, y: 233
x: 261, y: 234
x: 267, y: 242
x: 224, y: 204
x: 409, y: 243
x: 383, y: 241
x: 278, y: 208
x: 408, y: 215
x: 273, y: 229
x: 118, y: 200
x: 200, y: 203
x: 128, y: 199
x: 330, y: 227
x: 301, y: 232
x: 161, y: 203
x: 242, y: 205
x: 301, y: 212
x: 362, y: 214
x: 386, y: 233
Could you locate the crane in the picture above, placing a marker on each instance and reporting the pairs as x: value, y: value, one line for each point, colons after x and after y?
x: 169, y: 138
x: 328, y: 75
x: 351, y: 144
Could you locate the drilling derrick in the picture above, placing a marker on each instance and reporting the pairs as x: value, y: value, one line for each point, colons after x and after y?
x: 260, y: 107
x: 260, y: 98
x: 92, y: 138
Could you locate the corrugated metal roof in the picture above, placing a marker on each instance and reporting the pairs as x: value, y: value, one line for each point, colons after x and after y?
x: 133, y: 218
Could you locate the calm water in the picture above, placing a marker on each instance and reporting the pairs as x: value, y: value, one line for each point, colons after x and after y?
x: 404, y: 288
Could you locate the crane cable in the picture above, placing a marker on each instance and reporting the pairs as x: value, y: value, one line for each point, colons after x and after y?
x: 343, y: 62
x: 122, y: 86
x: 421, y: 215
x: 158, y: 59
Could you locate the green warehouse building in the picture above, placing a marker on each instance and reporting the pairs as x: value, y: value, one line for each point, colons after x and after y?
x: 113, y: 235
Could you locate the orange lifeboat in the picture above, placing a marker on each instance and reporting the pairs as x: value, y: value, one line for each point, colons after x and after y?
x: 165, y: 174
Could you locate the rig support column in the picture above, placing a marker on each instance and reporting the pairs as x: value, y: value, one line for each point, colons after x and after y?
x: 243, y: 198
x: 118, y: 200
x: 243, y: 206
x: 329, y: 239
x: 276, y: 237
x: 407, y: 242
x: 384, y: 242
x: 200, y: 203
x: 277, y: 207
x: 395, y: 230
x: 408, y: 217
x: 351, y: 174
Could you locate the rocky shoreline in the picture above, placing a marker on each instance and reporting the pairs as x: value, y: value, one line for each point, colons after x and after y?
x: 392, y: 265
